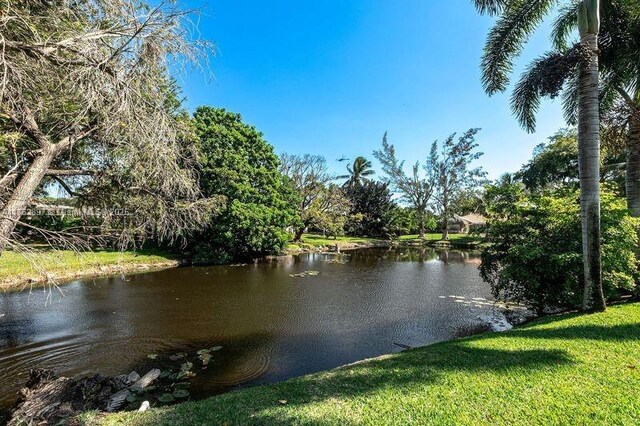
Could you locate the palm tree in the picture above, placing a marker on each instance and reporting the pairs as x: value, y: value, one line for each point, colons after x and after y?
x: 517, y: 21
x: 589, y: 153
x: 619, y: 46
x: 358, y: 172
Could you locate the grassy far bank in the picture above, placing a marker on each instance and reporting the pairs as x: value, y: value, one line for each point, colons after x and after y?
x: 16, y: 270
x: 572, y: 369
x: 316, y: 240
x: 461, y: 238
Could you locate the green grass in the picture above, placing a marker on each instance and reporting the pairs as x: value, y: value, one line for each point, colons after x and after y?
x: 462, y: 238
x: 317, y: 240
x: 565, y: 370
x: 16, y: 269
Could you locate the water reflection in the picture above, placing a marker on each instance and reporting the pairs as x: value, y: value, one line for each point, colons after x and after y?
x: 271, y: 325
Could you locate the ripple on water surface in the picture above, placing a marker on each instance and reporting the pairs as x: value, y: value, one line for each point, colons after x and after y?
x: 273, y: 320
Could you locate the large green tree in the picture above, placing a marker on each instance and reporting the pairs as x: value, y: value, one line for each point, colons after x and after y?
x: 589, y: 154
x: 237, y: 162
x: 372, y: 207
x: 534, y: 255
x: 555, y: 163
x: 558, y: 72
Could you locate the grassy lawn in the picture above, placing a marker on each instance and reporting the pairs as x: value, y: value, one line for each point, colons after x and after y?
x: 16, y: 269
x: 317, y: 240
x: 463, y: 238
x: 565, y: 370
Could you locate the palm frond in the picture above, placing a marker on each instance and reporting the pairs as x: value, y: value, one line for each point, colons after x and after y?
x: 570, y: 100
x: 545, y: 77
x: 564, y: 25
x: 506, y: 40
x: 490, y: 7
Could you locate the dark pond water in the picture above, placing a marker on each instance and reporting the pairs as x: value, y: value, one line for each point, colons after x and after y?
x: 271, y: 325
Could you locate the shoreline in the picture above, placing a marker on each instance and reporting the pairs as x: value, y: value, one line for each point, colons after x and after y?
x: 472, y: 367
x: 39, y: 280
x: 104, y: 268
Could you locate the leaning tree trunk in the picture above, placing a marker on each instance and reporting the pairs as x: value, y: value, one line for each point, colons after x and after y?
x: 19, y: 200
x: 589, y: 164
x: 633, y: 166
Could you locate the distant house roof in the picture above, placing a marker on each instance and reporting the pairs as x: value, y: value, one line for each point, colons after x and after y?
x: 472, y: 219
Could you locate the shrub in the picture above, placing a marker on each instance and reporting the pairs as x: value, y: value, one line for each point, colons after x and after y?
x: 535, y: 252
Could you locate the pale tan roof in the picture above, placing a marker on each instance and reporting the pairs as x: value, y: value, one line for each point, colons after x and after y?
x: 473, y: 219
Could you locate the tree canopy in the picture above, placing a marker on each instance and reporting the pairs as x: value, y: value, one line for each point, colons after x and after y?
x: 236, y: 162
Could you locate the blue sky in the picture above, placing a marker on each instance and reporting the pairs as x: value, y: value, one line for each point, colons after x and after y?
x: 330, y: 77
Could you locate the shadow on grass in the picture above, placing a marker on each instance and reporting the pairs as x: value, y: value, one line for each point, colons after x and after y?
x: 413, y: 369
x: 586, y: 332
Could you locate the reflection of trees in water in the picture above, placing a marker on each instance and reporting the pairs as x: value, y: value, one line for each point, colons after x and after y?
x: 374, y: 255
x: 418, y: 254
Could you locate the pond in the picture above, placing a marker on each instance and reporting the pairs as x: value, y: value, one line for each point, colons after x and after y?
x: 274, y: 320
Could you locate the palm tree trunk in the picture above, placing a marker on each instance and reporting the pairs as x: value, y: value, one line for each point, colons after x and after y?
x: 589, y: 164
x: 633, y: 166
x: 19, y: 200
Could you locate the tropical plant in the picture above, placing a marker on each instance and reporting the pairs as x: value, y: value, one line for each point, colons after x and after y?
x: 589, y: 154
x: 557, y: 72
x: 505, y: 41
x: 534, y: 255
x: 358, y: 172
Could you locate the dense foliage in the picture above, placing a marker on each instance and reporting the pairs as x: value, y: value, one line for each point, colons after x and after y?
x: 238, y: 163
x: 372, y: 207
x: 328, y: 212
x: 534, y: 254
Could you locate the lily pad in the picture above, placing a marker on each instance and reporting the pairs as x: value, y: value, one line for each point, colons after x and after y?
x: 203, y: 351
x: 152, y: 356
x: 166, y: 397
x: 181, y: 385
x: 132, y: 398
x: 181, y: 393
x: 216, y: 348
